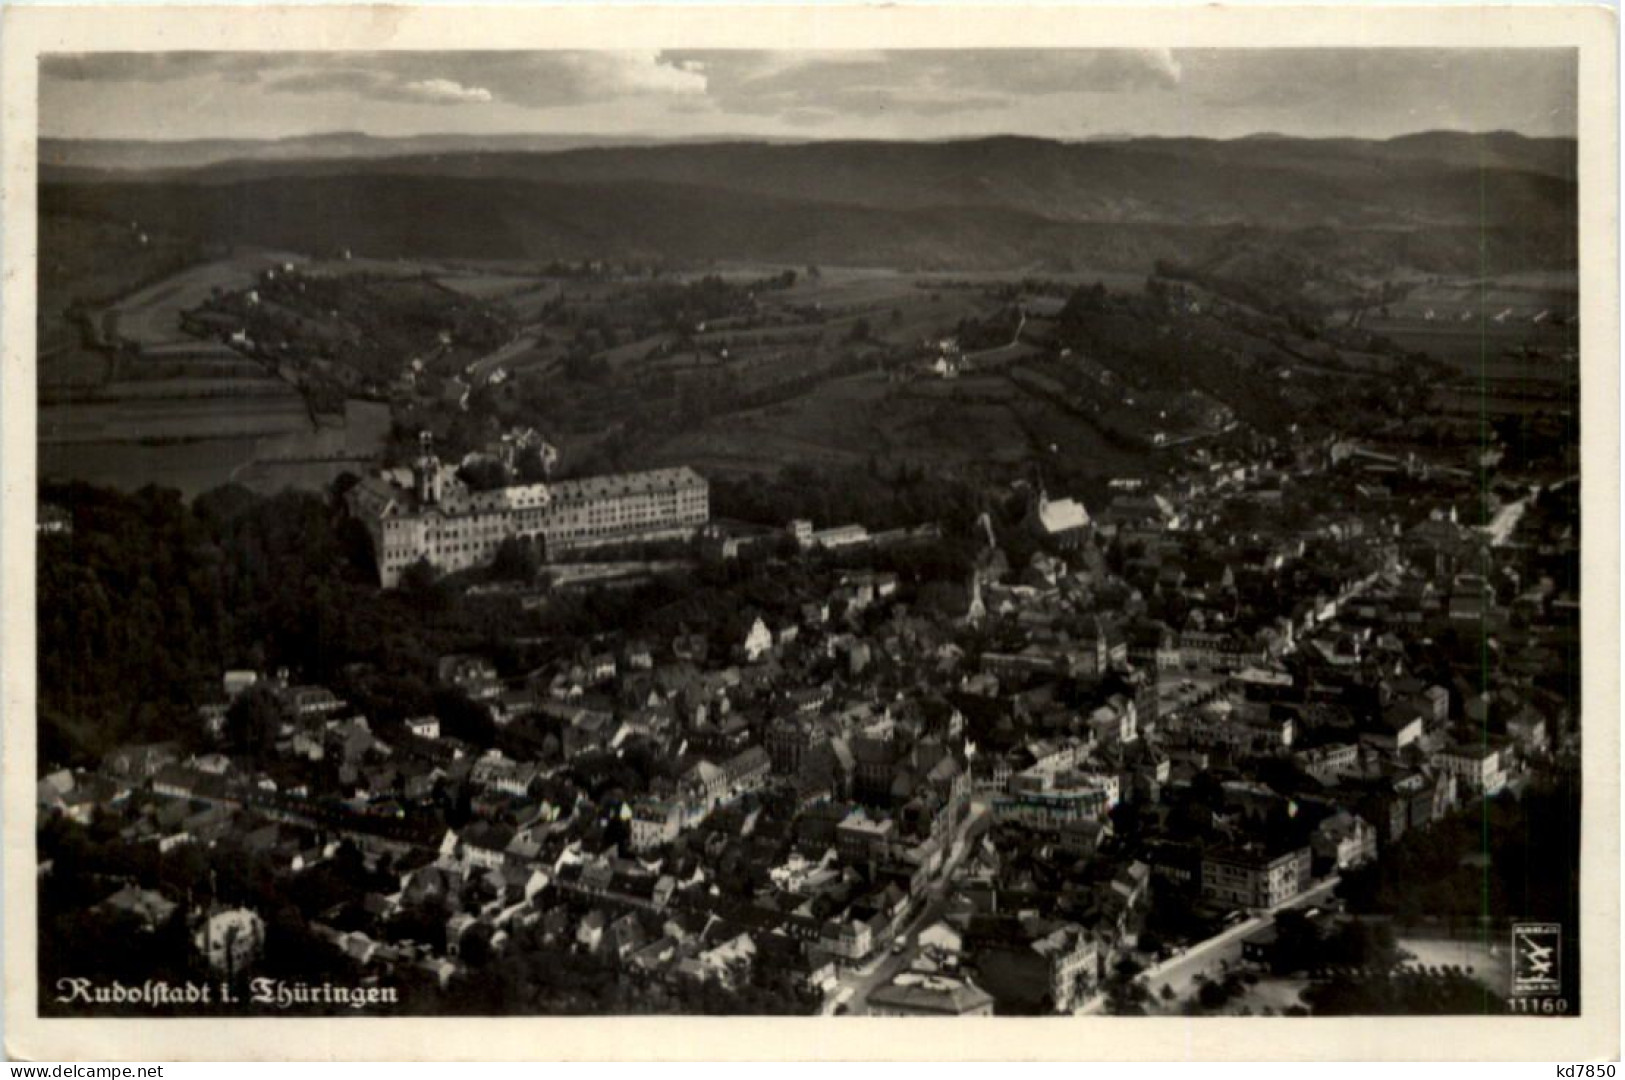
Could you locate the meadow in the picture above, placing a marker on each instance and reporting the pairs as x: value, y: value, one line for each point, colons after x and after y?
x: 197, y: 444
x: 152, y: 315
x: 968, y: 425
x: 1482, y: 327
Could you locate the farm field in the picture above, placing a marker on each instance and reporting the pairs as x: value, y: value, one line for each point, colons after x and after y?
x: 487, y: 365
x: 152, y: 316
x: 1474, y: 323
x: 172, y: 419
x: 68, y: 364
x: 496, y: 286
x: 845, y: 284
x: 840, y: 286
x: 230, y: 366
x: 1523, y: 295
x: 923, y: 316
x: 527, y: 303
x: 826, y: 426
x: 191, y: 350
x: 526, y: 295
x: 366, y: 425
x: 93, y: 263
x: 897, y: 308
x: 1470, y: 347
x: 1118, y: 279
x: 255, y: 385
x: 197, y: 444
x: 960, y: 425
x: 1470, y: 401
x: 184, y: 413
x: 270, y: 477
x: 634, y: 351
x: 191, y: 468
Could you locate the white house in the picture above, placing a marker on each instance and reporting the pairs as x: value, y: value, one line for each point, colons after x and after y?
x: 758, y: 641
x: 230, y: 940
x: 1478, y: 768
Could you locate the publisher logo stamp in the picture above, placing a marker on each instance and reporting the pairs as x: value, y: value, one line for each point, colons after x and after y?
x: 1536, y: 958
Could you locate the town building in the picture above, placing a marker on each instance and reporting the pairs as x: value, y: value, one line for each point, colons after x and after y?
x: 930, y: 995
x: 54, y: 521
x: 438, y: 519
x: 1064, y: 522
x: 1480, y: 769
x: 1054, y: 798
x: 1344, y: 841
x: 1034, y: 968
x: 1329, y: 763
x: 230, y: 940
x: 1250, y: 877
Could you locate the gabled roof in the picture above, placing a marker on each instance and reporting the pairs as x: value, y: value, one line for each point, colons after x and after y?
x: 1062, y: 515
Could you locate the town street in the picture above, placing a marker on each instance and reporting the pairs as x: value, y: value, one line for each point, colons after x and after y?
x: 1206, y: 957
x: 1209, y: 956
x: 864, y: 980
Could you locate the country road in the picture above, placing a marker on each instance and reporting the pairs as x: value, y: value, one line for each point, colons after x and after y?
x: 1015, y: 339
x: 483, y: 368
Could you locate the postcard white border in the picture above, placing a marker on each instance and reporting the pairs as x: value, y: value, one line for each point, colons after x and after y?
x: 1593, y: 1036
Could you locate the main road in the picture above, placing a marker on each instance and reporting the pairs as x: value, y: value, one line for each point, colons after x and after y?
x: 880, y: 971
x: 1209, y: 956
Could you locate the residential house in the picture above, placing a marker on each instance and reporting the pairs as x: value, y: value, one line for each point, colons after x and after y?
x: 1479, y: 768
x: 424, y: 727
x: 1248, y: 876
x: 1344, y: 841
x: 758, y: 641
x: 149, y: 907
x: 1038, y: 966
x: 139, y: 763
x: 654, y: 824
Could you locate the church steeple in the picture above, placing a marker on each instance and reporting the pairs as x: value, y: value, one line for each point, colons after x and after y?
x: 426, y: 471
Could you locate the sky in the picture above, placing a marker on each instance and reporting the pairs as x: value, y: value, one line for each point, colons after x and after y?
x: 899, y: 94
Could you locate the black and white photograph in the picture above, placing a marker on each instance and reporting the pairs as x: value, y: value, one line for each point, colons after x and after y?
x: 949, y: 532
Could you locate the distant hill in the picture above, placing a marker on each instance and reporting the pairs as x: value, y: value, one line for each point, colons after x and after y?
x: 1422, y: 202
x: 1435, y: 178
x: 452, y: 217
x: 167, y: 157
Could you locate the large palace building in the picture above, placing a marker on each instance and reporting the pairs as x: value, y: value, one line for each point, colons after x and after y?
x: 428, y: 513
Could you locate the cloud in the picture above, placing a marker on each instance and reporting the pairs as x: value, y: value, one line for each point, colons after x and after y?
x: 380, y: 86
x: 914, y: 93
x: 548, y: 79
x: 623, y: 74
x: 926, y: 82
x: 537, y: 79
x: 445, y: 92
x: 804, y: 88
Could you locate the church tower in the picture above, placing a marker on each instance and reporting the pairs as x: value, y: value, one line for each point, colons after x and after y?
x: 426, y: 471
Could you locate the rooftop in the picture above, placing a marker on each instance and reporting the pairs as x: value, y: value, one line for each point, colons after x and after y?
x: 947, y: 996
